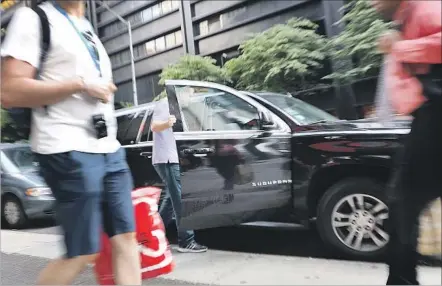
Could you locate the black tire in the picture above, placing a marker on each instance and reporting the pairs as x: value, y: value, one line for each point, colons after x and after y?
x: 330, y: 199
x: 22, y: 220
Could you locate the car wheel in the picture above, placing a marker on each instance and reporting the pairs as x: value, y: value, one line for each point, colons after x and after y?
x: 352, y: 217
x: 13, y: 212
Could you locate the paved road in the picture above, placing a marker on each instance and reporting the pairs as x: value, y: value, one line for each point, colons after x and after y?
x: 237, y: 256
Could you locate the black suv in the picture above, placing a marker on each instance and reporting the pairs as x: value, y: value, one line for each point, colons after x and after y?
x: 259, y: 156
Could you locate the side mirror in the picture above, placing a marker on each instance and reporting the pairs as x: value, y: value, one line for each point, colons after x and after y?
x: 266, y: 121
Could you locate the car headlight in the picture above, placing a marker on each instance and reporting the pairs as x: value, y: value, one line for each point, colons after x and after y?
x: 38, y: 192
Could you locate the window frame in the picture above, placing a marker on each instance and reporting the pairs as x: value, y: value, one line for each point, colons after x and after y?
x: 146, y: 124
x: 173, y: 84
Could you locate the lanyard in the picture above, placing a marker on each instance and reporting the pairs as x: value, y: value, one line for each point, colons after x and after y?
x: 92, y: 52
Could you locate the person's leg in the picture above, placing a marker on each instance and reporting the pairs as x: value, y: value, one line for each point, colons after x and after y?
x: 403, y: 257
x: 417, y: 182
x: 186, y: 238
x: 78, y: 197
x: 119, y: 220
x: 173, y: 178
x: 166, y: 208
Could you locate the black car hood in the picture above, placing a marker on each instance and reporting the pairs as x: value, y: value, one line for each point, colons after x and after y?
x: 355, y: 125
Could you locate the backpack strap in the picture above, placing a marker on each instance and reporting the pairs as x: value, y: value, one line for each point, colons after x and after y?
x: 45, y: 41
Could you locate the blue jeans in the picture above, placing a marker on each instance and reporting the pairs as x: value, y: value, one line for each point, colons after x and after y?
x: 171, y: 176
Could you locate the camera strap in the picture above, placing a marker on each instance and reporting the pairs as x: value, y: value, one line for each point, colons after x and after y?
x: 93, y: 51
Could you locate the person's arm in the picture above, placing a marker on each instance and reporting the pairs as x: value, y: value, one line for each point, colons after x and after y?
x: 159, y: 126
x: 160, y: 118
x: 20, y: 58
x: 20, y: 89
x: 427, y: 49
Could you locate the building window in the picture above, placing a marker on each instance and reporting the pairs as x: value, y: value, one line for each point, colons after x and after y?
x: 219, y: 22
x: 211, y: 25
x: 166, y: 6
x: 149, y: 48
x: 233, y: 16
x: 170, y: 40
x: 147, y: 14
x: 160, y: 44
x: 143, y: 16
x: 204, y: 28
x: 178, y: 37
x: 175, y: 4
x: 156, y: 11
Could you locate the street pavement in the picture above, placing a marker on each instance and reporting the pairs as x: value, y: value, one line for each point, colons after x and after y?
x: 237, y: 256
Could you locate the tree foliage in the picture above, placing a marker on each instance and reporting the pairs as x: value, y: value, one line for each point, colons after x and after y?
x: 358, y: 41
x: 3, y: 118
x: 193, y: 67
x: 9, y: 131
x: 283, y: 58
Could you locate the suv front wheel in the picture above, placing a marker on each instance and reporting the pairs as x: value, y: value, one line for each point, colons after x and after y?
x: 352, y: 217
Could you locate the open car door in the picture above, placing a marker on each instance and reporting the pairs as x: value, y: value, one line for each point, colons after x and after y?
x: 234, y: 156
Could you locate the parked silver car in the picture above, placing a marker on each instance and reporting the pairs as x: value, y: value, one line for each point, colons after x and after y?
x: 24, y: 192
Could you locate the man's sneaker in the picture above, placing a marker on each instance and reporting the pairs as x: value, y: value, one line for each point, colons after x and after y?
x: 193, y: 247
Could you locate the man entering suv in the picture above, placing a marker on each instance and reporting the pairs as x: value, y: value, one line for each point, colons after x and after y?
x: 166, y: 163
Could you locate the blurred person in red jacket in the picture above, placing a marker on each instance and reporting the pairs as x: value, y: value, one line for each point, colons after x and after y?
x: 413, y: 66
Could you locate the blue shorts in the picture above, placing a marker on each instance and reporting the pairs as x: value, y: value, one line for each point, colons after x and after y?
x: 92, y: 193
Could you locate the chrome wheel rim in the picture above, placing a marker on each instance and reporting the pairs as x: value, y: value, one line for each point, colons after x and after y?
x: 358, y: 221
x: 12, y: 212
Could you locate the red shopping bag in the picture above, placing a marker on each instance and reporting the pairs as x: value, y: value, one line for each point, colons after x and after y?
x: 155, y: 255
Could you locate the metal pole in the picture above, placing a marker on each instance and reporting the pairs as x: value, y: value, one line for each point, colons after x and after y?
x: 132, y: 64
x: 131, y: 49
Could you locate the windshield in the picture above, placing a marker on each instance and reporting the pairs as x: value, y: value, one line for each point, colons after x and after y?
x: 301, y: 111
x: 16, y: 160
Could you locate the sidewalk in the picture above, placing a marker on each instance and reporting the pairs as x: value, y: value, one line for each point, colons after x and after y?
x: 23, y: 270
x: 24, y: 253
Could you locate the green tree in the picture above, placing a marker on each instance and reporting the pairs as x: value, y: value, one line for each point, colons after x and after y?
x: 357, y: 42
x: 285, y: 57
x: 192, y: 67
x: 3, y: 118
x: 9, y: 132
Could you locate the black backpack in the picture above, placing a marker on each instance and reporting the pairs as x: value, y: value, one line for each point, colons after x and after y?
x: 21, y: 117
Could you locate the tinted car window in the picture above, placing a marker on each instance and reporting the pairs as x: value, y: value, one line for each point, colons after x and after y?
x: 208, y: 109
x: 301, y: 111
x: 128, y: 127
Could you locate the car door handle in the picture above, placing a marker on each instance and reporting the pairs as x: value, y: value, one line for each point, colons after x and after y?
x: 198, y: 151
x: 146, y: 154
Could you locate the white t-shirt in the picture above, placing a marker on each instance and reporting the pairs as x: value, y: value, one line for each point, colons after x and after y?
x: 67, y: 126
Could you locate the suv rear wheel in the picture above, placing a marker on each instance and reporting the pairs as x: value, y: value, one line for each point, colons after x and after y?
x: 352, y: 216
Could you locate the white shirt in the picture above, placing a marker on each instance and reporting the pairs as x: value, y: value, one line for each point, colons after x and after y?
x: 68, y: 124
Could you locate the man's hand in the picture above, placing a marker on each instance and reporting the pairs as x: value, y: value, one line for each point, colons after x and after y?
x: 171, y: 121
x: 387, y: 40
x: 159, y: 126
x: 99, y: 89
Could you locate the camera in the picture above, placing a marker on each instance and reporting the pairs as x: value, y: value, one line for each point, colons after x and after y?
x: 100, y: 126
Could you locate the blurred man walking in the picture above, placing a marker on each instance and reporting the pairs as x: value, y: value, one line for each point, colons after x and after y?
x: 413, y: 52
x: 73, y: 133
